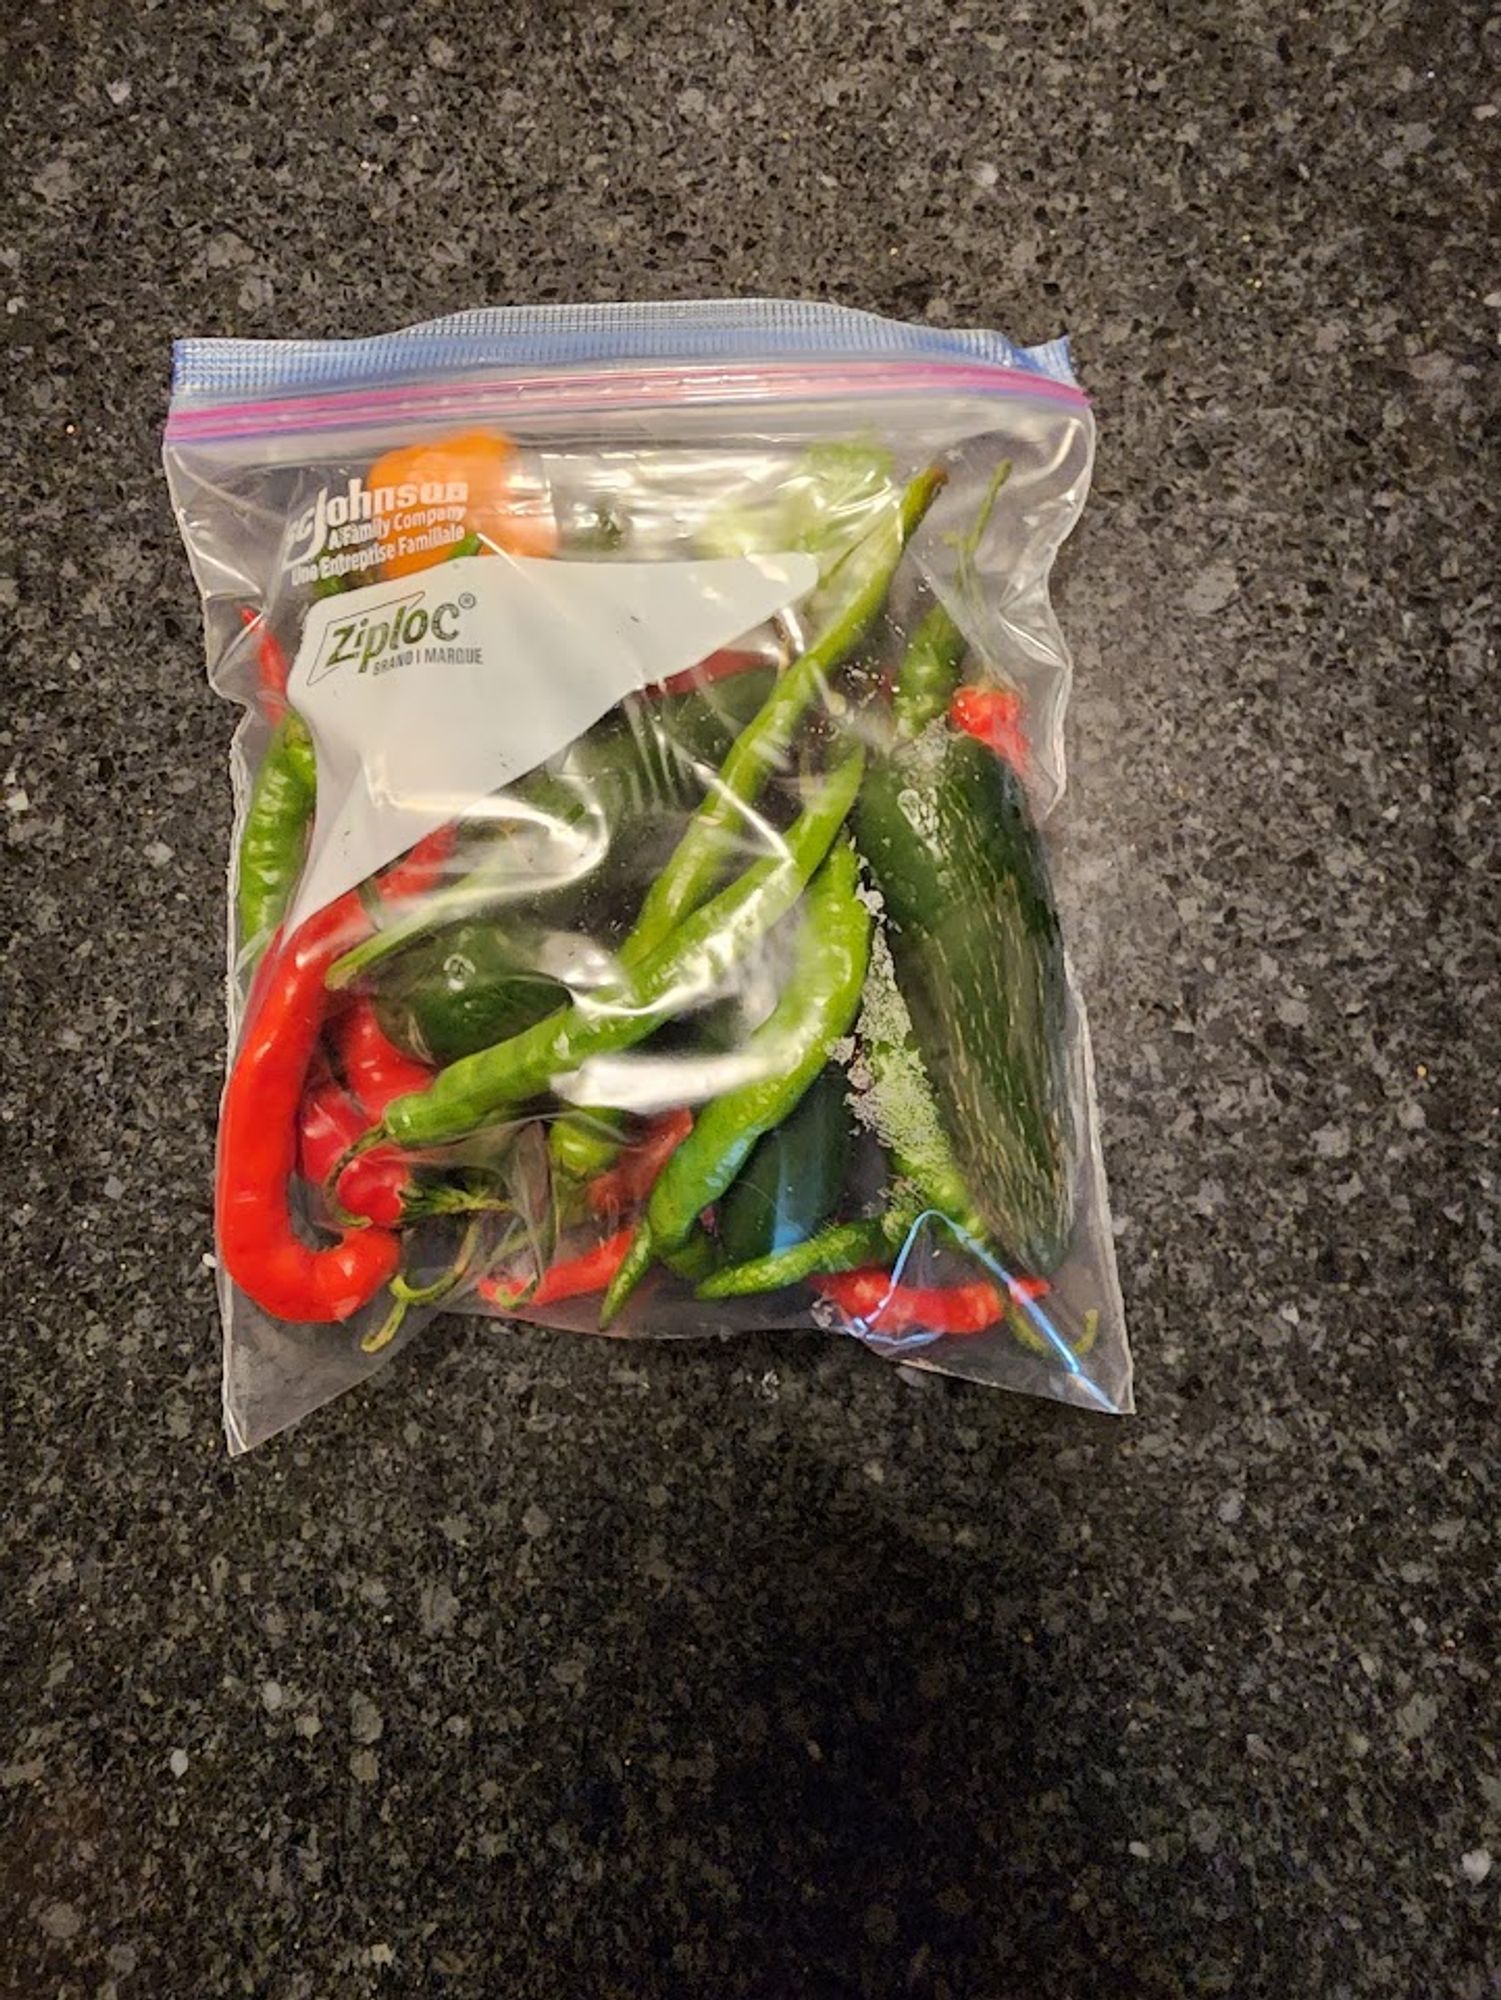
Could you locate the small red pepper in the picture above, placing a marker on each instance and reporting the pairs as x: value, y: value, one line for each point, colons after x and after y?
x: 374, y: 1185
x: 272, y: 660
x: 258, y: 1125
x: 720, y: 666
x: 992, y: 715
x: 634, y: 1174
x: 869, y: 1295
x: 374, y: 1068
x: 421, y: 865
x: 574, y: 1278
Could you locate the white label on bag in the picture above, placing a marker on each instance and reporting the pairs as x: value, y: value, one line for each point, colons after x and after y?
x: 427, y: 693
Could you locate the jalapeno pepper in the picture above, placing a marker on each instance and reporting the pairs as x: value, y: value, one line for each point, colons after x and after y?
x: 817, y: 1006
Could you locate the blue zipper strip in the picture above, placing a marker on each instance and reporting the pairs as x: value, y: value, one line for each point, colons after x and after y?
x: 206, y: 372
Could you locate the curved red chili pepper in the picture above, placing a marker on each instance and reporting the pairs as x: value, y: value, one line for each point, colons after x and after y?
x: 574, y: 1278
x: 272, y: 660
x: 869, y: 1295
x: 259, y: 1247
x: 374, y: 1068
x: 993, y: 716
x: 634, y: 1174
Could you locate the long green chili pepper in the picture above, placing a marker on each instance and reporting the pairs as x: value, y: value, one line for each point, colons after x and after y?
x: 929, y: 671
x: 763, y: 743
x: 578, y: 1142
x: 787, y: 1051
x: 688, y: 965
x: 275, y: 832
x: 843, y: 1246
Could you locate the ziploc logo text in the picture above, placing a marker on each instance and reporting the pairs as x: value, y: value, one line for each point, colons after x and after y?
x: 401, y: 632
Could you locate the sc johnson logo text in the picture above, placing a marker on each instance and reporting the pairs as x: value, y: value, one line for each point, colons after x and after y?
x: 346, y: 533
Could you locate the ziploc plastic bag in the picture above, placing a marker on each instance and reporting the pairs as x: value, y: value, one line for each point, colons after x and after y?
x: 640, y: 910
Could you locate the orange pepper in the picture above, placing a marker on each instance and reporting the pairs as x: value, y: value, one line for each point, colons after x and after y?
x: 503, y: 516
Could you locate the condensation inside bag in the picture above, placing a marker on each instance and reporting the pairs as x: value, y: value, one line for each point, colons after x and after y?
x: 640, y: 909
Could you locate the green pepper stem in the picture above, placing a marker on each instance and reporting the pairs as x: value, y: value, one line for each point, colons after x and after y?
x: 405, y: 1295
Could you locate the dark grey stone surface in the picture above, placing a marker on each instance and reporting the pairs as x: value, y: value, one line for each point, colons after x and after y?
x: 548, y: 1668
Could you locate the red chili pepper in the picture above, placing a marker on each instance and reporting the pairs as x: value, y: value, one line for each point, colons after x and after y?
x: 993, y: 716
x: 634, y: 1174
x: 375, y: 1185
x: 272, y: 660
x: 574, y: 1278
x: 421, y: 865
x: 258, y: 1244
x: 720, y: 666
x: 869, y: 1295
x: 374, y: 1068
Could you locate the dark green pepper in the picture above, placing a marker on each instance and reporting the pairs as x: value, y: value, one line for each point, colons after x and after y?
x: 944, y: 825
x: 793, y: 1180
x: 462, y: 990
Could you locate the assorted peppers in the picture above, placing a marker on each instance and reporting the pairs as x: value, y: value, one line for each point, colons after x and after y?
x: 864, y: 833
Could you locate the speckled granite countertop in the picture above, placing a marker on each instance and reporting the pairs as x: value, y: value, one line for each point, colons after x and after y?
x: 544, y: 1668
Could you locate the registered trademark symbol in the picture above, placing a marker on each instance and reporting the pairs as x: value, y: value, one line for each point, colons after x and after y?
x: 466, y: 600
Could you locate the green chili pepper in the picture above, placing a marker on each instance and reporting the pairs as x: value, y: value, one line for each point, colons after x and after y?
x: 862, y: 578
x: 787, y: 1051
x: 765, y: 740
x: 843, y: 1246
x: 689, y: 964
x: 275, y: 832
x: 929, y: 672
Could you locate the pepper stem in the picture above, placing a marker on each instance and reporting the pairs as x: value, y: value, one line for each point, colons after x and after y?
x: 404, y: 1295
